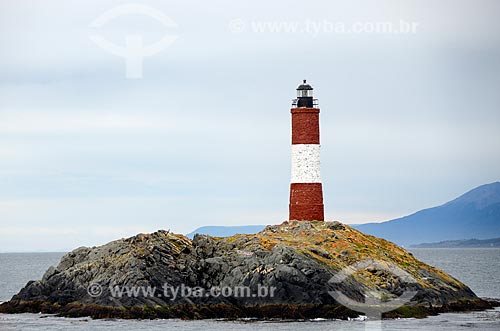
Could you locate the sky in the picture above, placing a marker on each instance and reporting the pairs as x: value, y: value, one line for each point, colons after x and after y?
x: 197, y: 132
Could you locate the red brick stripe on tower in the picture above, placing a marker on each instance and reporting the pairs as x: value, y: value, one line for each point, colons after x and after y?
x: 306, y: 202
x: 305, y: 125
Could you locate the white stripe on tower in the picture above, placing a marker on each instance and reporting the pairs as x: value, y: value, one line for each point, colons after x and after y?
x: 306, y: 163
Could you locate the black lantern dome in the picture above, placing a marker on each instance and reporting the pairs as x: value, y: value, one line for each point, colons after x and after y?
x: 304, y: 96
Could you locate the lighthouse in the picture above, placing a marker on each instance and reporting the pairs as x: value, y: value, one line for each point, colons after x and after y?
x: 306, y: 191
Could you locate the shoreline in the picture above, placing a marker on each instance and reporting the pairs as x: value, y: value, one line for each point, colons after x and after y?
x: 232, y: 312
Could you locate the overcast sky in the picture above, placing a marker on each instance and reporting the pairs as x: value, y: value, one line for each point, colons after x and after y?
x: 408, y: 120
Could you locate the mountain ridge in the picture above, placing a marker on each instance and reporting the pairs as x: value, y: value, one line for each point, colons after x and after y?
x: 465, y: 243
x: 474, y: 214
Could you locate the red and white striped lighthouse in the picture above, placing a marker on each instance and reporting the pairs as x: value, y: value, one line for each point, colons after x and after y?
x: 306, y: 192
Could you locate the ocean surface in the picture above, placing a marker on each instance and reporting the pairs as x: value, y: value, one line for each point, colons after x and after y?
x: 477, y: 267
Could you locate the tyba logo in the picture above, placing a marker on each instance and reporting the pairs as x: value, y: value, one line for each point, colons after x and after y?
x: 134, y: 50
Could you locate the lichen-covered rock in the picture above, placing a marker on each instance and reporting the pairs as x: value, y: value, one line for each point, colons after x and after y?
x: 295, y: 259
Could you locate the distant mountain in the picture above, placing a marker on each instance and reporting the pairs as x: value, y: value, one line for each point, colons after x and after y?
x: 468, y: 243
x: 226, y: 231
x: 476, y: 214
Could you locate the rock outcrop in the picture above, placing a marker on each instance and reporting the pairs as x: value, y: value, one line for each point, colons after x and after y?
x: 294, y: 262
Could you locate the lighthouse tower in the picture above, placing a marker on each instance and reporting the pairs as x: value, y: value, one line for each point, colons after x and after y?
x: 306, y: 192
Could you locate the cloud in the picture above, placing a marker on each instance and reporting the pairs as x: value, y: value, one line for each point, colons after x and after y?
x: 407, y: 121
x: 74, y: 122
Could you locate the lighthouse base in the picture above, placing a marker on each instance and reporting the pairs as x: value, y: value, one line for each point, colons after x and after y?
x: 306, y: 202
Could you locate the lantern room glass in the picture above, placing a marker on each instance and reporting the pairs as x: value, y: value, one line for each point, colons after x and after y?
x: 304, y: 93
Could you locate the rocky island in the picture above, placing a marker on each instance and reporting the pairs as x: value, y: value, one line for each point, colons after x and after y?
x: 294, y: 262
